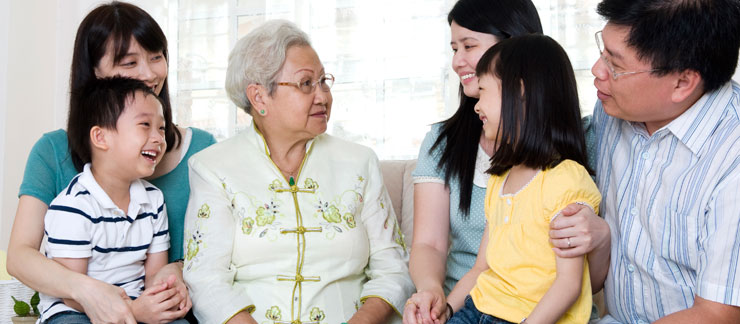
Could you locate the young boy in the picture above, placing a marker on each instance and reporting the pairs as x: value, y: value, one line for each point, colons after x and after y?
x: 109, y: 223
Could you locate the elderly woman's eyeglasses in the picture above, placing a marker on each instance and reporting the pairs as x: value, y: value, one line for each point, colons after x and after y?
x: 609, y: 65
x: 306, y: 86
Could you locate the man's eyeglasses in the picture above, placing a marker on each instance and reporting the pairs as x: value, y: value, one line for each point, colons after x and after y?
x: 609, y: 65
x: 306, y: 86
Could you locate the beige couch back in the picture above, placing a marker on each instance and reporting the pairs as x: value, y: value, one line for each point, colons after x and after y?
x: 400, y: 186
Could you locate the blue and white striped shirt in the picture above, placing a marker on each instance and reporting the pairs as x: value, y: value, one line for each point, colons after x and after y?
x: 672, y: 202
x: 83, y: 222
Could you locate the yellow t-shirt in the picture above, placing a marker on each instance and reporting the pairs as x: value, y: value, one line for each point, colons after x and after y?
x: 520, y: 257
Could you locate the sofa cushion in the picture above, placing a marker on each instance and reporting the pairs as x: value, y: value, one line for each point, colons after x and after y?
x: 400, y: 186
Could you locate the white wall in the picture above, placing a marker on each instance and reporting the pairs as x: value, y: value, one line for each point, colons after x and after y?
x: 4, y: 17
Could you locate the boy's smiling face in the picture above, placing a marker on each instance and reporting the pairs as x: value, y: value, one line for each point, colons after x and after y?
x: 138, y: 144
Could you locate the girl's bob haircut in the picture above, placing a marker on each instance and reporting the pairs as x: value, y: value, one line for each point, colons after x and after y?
x: 540, y: 123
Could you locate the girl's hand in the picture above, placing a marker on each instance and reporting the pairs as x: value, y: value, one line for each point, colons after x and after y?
x: 426, y: 307
x: 156, y: 304
x: 104, y: 303
x: 578, y: 231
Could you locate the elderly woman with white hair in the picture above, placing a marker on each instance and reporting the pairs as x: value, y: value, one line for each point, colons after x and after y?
x: 287, y: 224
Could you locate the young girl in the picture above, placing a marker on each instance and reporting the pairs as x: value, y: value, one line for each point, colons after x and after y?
x: 529, y: 107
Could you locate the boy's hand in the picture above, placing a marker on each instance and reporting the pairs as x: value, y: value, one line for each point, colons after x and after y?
x: 158, y: 304
x: 172, y: 275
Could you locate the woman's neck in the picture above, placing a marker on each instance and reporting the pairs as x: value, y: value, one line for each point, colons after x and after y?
x: 286, y: 153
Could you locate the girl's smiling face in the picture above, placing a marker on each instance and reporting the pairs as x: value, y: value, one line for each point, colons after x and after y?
x: 488, y: 107
x: 468, y: 47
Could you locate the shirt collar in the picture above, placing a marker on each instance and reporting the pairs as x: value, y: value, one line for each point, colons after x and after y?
x: 137, y: 191
x: 694, y: 127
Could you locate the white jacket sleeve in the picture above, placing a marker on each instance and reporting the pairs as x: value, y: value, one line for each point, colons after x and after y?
x: 387, y: 270
x: 209, y: 239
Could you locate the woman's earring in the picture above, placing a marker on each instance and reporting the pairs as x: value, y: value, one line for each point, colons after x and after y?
x: 262, y: 112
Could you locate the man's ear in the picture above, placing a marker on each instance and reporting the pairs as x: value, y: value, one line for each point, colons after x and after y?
x: 99, y: 138
x: 687, y: 83
x: 256, y: 94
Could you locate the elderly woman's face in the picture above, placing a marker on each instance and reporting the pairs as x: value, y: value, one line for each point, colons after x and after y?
x: 305, y: 114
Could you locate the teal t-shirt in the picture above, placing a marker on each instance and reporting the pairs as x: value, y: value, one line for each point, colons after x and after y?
x: 49, y: 169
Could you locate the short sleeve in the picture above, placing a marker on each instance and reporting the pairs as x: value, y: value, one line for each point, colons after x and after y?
x: 69, y: 228
x: 427, y: 169
x: 568, y: 183
x: 43, y: 170
x: 161, y: 237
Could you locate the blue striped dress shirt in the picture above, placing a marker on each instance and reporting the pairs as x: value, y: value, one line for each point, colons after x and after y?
x: 672, y: 202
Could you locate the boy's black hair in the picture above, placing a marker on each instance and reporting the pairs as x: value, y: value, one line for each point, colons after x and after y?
x: 461, y: 132
x: 540, y: 123
x: 679, y: 35
x: 116, y: 24
x: 101, y: 102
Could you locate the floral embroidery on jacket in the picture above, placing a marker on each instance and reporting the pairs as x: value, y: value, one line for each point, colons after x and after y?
x: 273, y: 313
x: 204, y: 211
x: 317, y: 315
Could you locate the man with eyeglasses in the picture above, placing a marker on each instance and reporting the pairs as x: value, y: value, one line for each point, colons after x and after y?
x: 667, y: 158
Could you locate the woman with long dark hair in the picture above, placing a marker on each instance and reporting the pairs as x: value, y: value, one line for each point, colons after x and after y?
x: 113, y: 39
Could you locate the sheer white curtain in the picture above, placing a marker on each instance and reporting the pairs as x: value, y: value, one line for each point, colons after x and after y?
x: 391, y: 60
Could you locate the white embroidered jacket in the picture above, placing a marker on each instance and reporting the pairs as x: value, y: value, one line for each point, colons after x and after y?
x: 305, y: 252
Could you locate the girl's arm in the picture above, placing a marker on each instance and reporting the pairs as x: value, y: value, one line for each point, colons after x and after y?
x: 427, y: 263
x: 102, y: 302
x: 467, y: 282
x: 589, y: 234
x: 562, y: 294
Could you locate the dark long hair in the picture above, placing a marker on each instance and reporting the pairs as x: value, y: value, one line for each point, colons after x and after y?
x: 542, y: 127
x: 118, y: 23
x: 461, y: 132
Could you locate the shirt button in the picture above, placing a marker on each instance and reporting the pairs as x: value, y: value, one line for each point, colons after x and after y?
x: 631, y: 268
x: 633, y: 211
x: 506, y: 219
x: 645, y: 155
x: 508, y: 201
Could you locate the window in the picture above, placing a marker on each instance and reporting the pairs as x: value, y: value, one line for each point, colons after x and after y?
x: 391, y: 60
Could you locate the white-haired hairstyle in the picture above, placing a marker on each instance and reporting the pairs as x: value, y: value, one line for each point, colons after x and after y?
x: 258, y: 57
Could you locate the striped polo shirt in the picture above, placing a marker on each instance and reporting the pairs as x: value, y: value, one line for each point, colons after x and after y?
x: 672, y: 202
x: 83, y: 222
